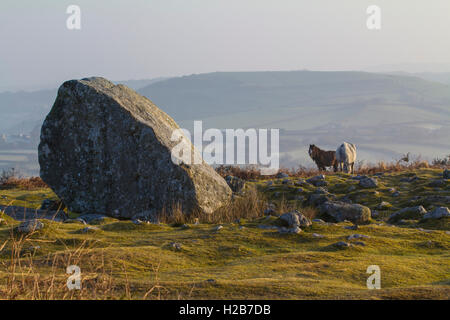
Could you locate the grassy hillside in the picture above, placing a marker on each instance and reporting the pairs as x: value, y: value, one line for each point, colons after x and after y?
x: 245, y: 259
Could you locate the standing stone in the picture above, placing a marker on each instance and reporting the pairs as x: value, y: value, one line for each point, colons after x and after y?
x: 106, y: 149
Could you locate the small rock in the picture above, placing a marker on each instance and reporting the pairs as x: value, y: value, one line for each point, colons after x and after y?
x: 289, y: 230
x: 437, y: 213
x: 357, y: 236
x: 396, y: 194
x: 317, y: 181
x: 241, y: 227
x: 295, y: 219
x: 359, y: 243
x: 341, y: 244
x: 316, y: 235
x: 77, y: 220
x: 30, y: 226
x: 368, y: 183
x: 177, y: 246
x: 408, y: 213
x: 384, y: 205
x: 446, y: 174
x: 92, y: 218
x: 354, y: 227
x: 318, y: 221
x: 236, y: 184
x: 52, y: 205
x: 89, y: 229
x: 137, y: 221
x: 281, y: 175
x: 218, y: 228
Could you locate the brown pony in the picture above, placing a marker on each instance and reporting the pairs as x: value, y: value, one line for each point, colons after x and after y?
x: 323, y: 158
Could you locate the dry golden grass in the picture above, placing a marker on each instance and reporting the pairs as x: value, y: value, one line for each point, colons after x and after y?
x: 23, y: 183
x: 253, y: 173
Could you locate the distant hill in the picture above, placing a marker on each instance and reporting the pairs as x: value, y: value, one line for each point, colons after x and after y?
x: 212, y: 94
x: 386, y: 115
x: 442, y: 77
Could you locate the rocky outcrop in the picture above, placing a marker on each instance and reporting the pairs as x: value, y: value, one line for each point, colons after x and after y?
x: 106, y: 149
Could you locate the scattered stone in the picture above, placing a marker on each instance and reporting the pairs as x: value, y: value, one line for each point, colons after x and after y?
x: 358, y: 177
x: 295, y: 219
x: 384, y: 205
x: 408, y: 213
x: 184, y: 226
x: 316, y: 199
x: 52, y: 205
x: 147, y: 216
x: 289, y: 230
x: 281, y: 175
x: 368, y: 183
x: 396, y: 194
x: 236, y: 184
x: 357, y: 236
x: 77, y: 220
x: 106, y: 149
x: 241, y: 227
x: 317, y: 181
x: 316, y: 235
x: 341, y: 211
x: 341, y: 244
x: 437, y: 213
x: 318, y: 221
x: 177, y: 246
x: 30, y: 226
x: 354, y: 227
x: 409, y: 179
x: 351, y: 188
x: 218, y: 228
x: 359, y: 243
x: 93, y: 218
x: 446, y: 174
x: 137, y: 221
x: 89, y: 229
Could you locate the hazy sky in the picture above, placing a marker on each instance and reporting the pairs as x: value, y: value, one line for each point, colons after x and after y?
x: 137, y: 39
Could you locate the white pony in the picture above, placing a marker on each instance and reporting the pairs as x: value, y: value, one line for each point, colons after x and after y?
x: 346, y: 157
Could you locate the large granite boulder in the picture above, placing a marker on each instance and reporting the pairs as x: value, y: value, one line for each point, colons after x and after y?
x: 107, y: 150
